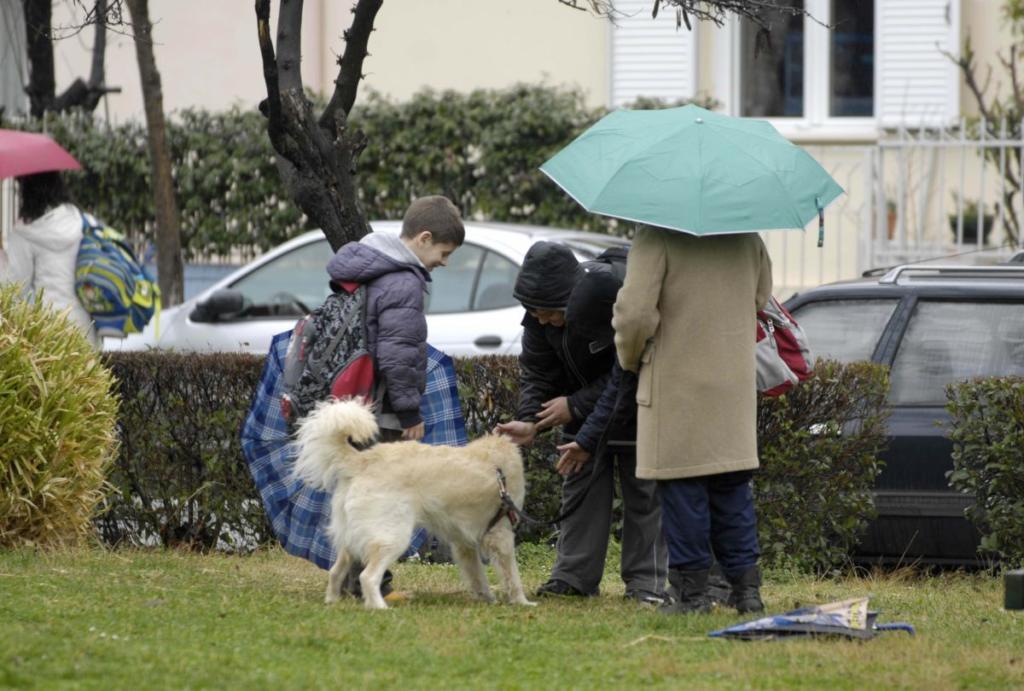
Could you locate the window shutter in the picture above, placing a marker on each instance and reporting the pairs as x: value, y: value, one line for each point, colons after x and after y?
x: 917, y: 84
x: 651, y: 57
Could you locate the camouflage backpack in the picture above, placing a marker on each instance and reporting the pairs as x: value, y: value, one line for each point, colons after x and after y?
x: 328, y: 355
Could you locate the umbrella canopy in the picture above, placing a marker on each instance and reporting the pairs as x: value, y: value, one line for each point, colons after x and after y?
x: 692, y: 170
x: 25, y: 153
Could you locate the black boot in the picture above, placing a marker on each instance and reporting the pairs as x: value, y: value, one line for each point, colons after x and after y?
x: 689, y: 592
x: 746, y: 592
x: 719, y: 588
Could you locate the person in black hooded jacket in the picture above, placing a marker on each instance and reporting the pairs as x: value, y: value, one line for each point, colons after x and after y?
x: 568, y: 377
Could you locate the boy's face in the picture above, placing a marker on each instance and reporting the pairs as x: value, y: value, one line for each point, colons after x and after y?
x: 432, y: 254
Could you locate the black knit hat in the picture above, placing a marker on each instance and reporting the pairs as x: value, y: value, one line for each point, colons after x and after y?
x: 547, y: 277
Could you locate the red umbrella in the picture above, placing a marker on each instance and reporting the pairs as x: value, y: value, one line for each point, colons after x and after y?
x: 24, y: 153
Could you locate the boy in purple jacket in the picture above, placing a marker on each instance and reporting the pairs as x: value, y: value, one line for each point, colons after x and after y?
x: 396, y: 272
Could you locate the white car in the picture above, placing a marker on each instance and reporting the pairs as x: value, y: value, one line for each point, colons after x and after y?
x: 470, y: 308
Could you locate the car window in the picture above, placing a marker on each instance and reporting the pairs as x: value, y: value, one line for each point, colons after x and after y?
x: 497, y: 278
x: 948, y: 341
x: 451, y: 286
x: 845, y: 330
x: 298, y: 275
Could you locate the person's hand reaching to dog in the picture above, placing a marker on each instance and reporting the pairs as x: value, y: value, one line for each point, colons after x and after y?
x: 553, y: 413
x: 572, y: 460
x: 519, y: 432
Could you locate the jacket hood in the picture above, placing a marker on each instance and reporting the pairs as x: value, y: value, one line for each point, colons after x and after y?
x: 56, y: 230
x: 589, y: 311
x: 547, y: 276
x: 372, y: 257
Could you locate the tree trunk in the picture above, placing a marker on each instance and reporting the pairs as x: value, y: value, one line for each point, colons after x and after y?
x: 168, y: 230
x: 42, y: 85
x: 320, y: 153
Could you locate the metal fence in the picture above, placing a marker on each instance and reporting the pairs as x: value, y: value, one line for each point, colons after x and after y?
x: 946, y: 193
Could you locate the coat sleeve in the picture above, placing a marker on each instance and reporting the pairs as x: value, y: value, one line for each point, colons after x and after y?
x: 402, y: 353
x: 635, y: 314
x: 540, y: 371
x: 583, y: 400
x: 764, y: 277
x: 20, y: 264
x: 605, y: 413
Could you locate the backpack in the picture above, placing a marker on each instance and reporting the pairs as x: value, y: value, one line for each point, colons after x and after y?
x: 328, y: 355
x: 114, y: 288
x: 783, y: 355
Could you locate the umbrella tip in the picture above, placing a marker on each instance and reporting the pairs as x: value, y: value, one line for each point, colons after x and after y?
x: 699, y: 121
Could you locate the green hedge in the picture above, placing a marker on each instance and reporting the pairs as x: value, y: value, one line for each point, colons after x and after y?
x: 180, y: 477
x: 182, y: 480
x: 819, y: 447
x: 481, y: 148
x: 988, y: 460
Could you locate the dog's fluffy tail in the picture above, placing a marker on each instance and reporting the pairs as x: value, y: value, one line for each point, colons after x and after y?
x: 325, y: 440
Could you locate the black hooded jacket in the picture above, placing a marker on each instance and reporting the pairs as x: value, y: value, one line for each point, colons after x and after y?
x: 575, y: 360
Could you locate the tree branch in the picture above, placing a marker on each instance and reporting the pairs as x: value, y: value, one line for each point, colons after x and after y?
x: 271, y: 106
x: 717, y: 11
x: 350, y: 64
x: 289, y: 45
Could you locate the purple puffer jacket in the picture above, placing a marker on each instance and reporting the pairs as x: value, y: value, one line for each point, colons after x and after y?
x: 396, y: 326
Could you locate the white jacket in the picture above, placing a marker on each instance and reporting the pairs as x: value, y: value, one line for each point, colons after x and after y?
x: 41, y: 256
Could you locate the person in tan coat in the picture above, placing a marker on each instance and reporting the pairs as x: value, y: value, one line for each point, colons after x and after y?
x: 685, y: 321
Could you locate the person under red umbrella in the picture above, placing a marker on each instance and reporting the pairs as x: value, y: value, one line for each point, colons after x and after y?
x: 43, y: 244
x: 43, y: 247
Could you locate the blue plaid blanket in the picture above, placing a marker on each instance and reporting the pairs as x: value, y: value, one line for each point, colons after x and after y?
x: 299, y: 515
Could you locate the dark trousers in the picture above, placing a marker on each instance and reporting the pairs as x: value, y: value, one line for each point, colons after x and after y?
x: 583, y: 536
x: 715, y: 512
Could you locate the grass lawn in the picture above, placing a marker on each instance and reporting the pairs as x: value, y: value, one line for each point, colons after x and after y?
x: 127, y: 619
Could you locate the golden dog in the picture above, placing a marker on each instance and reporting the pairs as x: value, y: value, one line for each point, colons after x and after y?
x: 382, y: 494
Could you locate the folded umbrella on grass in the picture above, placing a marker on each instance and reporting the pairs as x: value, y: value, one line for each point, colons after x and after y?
x: 695, y: 171
x: 846, y: 618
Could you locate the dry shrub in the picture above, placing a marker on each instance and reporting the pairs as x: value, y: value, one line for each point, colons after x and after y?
x: 57, y: 425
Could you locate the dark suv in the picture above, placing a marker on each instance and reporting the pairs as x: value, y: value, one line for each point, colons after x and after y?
x: 932, y: 326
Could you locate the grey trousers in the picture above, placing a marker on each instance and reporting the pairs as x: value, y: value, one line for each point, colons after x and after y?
x: 583, y: 541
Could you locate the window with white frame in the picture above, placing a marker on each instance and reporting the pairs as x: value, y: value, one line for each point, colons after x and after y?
x: 851, y: 66
x: 799, y: 69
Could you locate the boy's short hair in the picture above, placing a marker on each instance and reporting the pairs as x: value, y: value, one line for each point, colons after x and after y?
x: 436, y: 214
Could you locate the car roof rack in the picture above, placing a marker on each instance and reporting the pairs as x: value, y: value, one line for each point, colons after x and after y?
x: 918, y: 271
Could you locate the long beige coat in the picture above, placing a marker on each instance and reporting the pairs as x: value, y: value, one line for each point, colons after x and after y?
x: 685, y: 319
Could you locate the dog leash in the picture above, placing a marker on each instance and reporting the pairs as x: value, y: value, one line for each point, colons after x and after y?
x: 508, y: 506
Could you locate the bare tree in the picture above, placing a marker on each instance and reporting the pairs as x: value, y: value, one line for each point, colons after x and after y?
x: 760, y: 12
x: 168, y: 229
x: 320, y: 151
x: 39, y: 34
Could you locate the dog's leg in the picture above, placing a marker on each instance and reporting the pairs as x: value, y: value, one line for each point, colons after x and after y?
x: 378, y: 558
x: 336, y: 576
x: 500, y: 544
x: 468, y: 559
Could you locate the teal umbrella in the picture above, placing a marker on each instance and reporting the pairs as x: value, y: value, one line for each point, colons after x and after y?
x: 695, y: 171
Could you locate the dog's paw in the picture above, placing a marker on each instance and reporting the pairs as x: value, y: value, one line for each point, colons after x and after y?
x: 330, y: 599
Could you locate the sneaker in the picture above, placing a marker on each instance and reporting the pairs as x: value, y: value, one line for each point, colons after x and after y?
x: 557, y: 588
x: 646, y: 597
